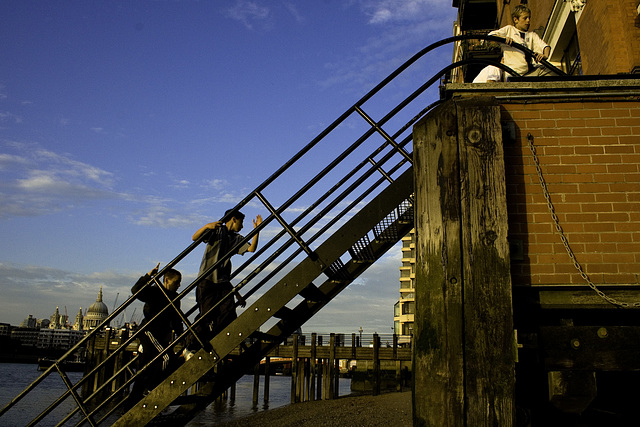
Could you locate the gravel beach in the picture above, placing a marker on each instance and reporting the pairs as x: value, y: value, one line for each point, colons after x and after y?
x: 388, y: 409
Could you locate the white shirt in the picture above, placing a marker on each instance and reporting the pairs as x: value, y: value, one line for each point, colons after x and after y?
x: 513, y: 57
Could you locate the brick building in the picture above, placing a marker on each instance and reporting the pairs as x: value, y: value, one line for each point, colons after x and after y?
x: 542, y: 245
x: 502, y: 270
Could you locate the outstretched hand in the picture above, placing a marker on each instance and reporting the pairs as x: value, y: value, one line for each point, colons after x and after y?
x: 154, y: 271
x: 241, y: 301
x: 257, y: 221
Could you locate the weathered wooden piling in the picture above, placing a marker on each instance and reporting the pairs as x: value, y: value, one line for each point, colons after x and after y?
x: 98, y: 349
x: 464, y: 347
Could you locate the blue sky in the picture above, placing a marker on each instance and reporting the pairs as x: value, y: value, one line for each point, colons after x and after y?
x: 127, y: 125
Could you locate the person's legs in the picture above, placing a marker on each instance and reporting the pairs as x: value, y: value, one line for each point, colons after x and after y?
x: 144, y: 379
x: 206, y: 296
x: 540, y: 71
x: 226, y: 311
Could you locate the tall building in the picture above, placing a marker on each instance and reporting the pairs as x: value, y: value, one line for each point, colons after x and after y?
x: 57, y: 320
x: 79, y: 323
x: 405, y: 308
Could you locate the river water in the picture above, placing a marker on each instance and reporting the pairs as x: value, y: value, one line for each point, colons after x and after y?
x: 15, y: 377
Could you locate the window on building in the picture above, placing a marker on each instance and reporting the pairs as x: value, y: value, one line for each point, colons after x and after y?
x: 408, y: 307
x: 562, y: 35
x: 407, y: 328
x: 571, y: 63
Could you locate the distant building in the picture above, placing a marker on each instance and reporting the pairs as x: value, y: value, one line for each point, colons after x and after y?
x: 78, y: 325
x: 59, y: 338
x: 5, y: 330
x: 27, y: 337
x: 96, y: 314
x: 405, y: 308
x: 29, y: 322
x: 57, y: 320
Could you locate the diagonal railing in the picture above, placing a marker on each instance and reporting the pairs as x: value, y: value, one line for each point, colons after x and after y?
x: 298, y: 226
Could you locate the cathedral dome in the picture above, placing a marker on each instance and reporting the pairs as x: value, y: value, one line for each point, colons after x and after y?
x: 96, y: 313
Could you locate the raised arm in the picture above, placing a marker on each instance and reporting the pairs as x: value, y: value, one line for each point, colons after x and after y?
x: 145, y: 279
x: 254, y: 242
x: 205, y: 228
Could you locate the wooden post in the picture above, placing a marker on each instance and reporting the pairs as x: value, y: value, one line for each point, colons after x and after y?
x: 267, y: 377
x: 320, y: 379
x: 353, y: 345
x: 331, y: 363
x: 294, y: 370
x: 300, y: 382
x: 464, y: 349
x: 398, y: 363
x: 256, y: 384
x: 376, y: 364
x: 325, y: 379
x: 312, y: 368
x: 336, y: 383
x: 307, y: 380
x: 91, y: 361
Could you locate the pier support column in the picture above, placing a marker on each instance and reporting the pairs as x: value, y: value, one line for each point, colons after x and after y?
x: 463, y: 360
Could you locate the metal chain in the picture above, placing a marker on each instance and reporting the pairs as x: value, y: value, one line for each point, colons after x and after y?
x: 565, y: 242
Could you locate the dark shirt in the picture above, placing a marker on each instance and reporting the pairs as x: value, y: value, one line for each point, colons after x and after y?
x: 155, y: 301
x: 219, y: 242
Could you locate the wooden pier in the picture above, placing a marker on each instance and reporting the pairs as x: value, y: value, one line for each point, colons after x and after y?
x: 313, y: 362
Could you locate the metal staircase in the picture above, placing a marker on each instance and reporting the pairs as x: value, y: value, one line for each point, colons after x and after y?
x: 387, y: 225
x: 349, y: 204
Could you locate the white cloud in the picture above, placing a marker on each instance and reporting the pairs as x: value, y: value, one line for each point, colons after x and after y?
x: 36, y: 181
x: 164, y: 216
x: 383, y: 11
x: 6, y: 116
x: 216, y: 184
x: 7, y: 161
x: 293, y: 10
x: 248, y: 13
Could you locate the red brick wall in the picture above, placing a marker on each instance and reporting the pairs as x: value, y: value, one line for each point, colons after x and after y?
x: 609, y: 39
x: 590, y: 158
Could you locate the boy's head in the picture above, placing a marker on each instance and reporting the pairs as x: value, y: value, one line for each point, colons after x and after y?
x: 172, y: 279
x: 521, y: 16
x: 234, y: 220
